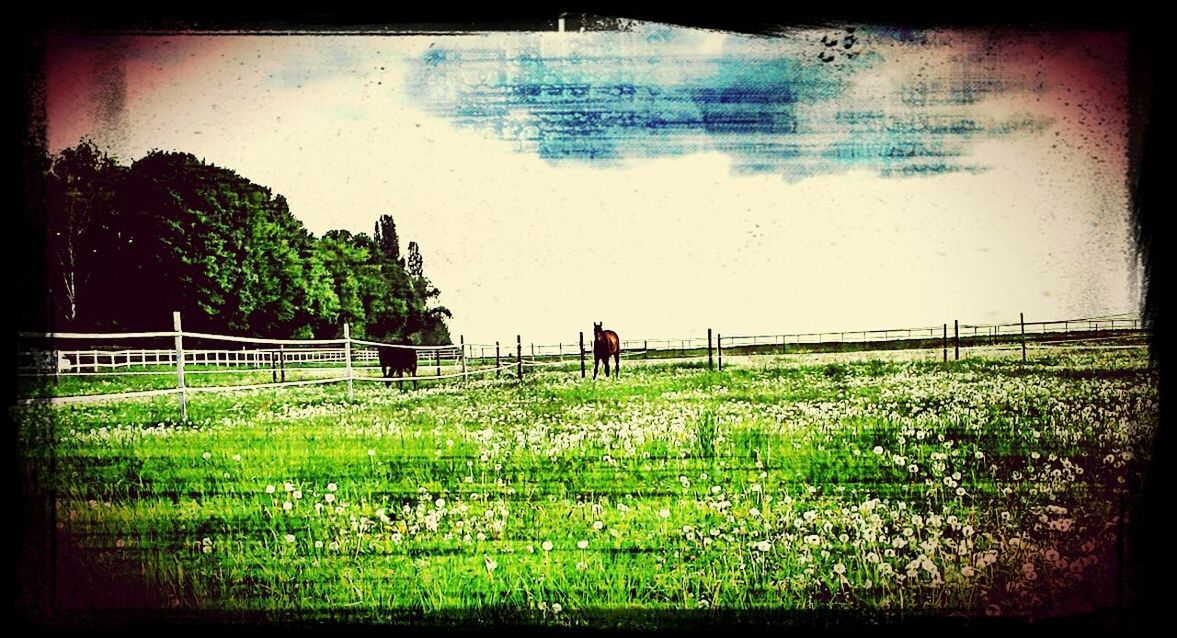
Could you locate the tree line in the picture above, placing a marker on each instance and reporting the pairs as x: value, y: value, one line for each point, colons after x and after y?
x: 127, y: 245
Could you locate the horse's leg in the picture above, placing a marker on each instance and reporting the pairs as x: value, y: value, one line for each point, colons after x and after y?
x: 617, y: 363
x: 386, y: 372
x: 414, y: 373
x: 606, y: 366
x: 596, y: 366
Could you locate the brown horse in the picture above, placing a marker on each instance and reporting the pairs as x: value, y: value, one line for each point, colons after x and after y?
x: 605, y: 344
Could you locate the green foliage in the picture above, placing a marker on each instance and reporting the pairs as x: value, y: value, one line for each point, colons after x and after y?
x: 171, y: 232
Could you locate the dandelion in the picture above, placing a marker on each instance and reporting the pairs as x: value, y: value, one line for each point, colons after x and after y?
x: 763, y: 546
x: 491, y: 564
x: 331, y: 487
x: 287, y: 506
x: 330, y: 498
x: 664, y: 513
x: 839, y: 569
x: 297, y: 494
x: 1051, y: 555
x: 207, y: 455
x: 237, y: 457
x: 582, y: 566
x: 481, y: 536
x: 557, y: 608
x: 290, y: 538
x: 440, y: 503
x: 582, y: 544
x: 753, y: 512
x: 598, y: 525
x: 269, y: 489
x: 878, y: 449
x: 547, y: 546
x: 530, y: 549
x: 968, y: 572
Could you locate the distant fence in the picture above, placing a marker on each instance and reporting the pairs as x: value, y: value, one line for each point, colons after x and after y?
x: 348, y: 360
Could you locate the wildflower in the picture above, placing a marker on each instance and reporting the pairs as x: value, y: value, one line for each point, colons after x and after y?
x: 237, y: 457
x: 582, y: 544
x: 287, y: 506
x: 582, y: 566
x: 290, y: 538
x: 878, y: 449
x: 318, y: 544
x: 839, y: 569
x: 371, y: 452
x: 440, y: 503
x: 664, y: 513
x: 968, y: 572
x: 547, y: 546
x: 297, y: 494
x: 330, y: 498
x: 331, y: 487
x: 491, y: 564
x: 289, y: 487
x: 1051, y: 555
x: 269, y: 489
x: 598, y: 525
x: 557, y: 608
x: 207, y: 455
x: 763, y: 546
x: 753, y: 512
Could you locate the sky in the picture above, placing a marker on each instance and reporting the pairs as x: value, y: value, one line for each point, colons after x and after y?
x: 665, y: 180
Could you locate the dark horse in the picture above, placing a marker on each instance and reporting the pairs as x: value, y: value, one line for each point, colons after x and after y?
x: 399, y: 361
x: 606, y: 344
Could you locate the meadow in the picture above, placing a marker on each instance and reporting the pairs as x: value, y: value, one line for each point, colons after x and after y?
x: 796, y: 484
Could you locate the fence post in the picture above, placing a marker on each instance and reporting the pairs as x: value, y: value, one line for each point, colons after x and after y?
x: 582, y: 370
x: 347, y: 356
x: 719, y: 350
x: 710, y: 358
x: 180, y: 364
x: 282, y: 362
x: 945, y: 343
x: 519, y: 356
x: 956, y: 339
x: 497, y: 364
x: 1022, y: 321
x: 462, y: 341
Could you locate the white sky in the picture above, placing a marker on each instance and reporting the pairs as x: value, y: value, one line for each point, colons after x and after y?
x: 659, y: 248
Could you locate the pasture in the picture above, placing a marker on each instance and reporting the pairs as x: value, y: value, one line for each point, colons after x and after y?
x: 867, y: 483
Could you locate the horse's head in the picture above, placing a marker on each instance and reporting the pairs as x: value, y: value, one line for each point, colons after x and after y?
x: 597, y: 329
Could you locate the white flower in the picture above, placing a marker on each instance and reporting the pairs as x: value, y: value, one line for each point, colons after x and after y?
x: 269, y: 489
x: 289, y: 487
x: 839, y: 569
x: 664, y: 513
x: 557, y: 608
x: 878, y: 449
x: 331, y: 487
x: 330, y: 498
x: 547, y: 546
x: 207, y: 455
x: 598, y: 525
x: 582, y: 544
x: 236, y: 457
x: 755, y: 513
x: 297, y: 494
x: 440, y: 503
x: 287, y: 506
x: 371, y: 452
x: 290, y: 538
x: 491, y: 564
x: 763, y: 546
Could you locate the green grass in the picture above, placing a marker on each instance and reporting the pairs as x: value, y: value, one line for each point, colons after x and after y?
x: 835, y: 482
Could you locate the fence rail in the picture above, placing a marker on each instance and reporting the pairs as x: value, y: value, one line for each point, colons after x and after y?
x: 47, y: 357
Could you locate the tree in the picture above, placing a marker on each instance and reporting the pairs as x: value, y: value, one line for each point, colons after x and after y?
x: 387, y: 240
x: 81, y: 214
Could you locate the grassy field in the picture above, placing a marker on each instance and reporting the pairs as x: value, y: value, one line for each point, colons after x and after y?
x: 863, y: 483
